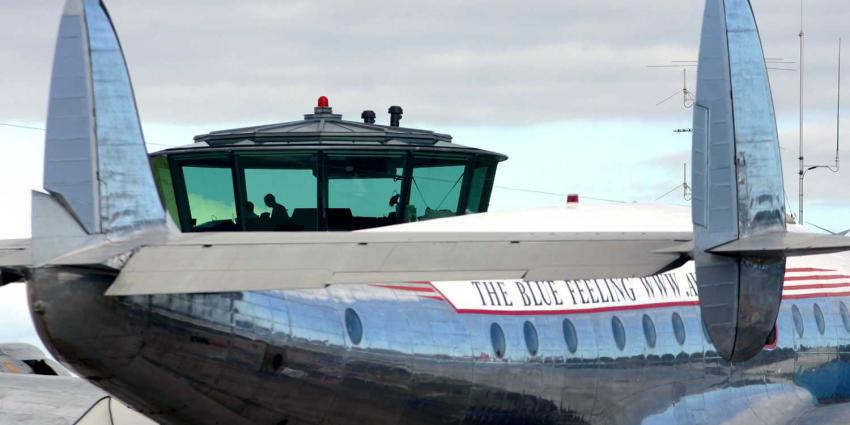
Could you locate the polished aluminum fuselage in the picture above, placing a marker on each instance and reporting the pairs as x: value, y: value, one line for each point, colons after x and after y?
x: 285, y: 357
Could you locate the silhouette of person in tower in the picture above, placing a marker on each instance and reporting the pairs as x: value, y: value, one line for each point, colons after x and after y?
x: 252, y: 220
x: 279, y: 213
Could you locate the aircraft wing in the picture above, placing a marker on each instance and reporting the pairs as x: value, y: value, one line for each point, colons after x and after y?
x: 37, y: 390
x: 225, y: 262
x: 37, y: 400
x: 14, y: 255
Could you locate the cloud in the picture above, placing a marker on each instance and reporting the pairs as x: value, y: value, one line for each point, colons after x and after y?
x: 461, y: 63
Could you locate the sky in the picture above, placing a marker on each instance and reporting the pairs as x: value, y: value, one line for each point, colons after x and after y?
x: 565, y: 89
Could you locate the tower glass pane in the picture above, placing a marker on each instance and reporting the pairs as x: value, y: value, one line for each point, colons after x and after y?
x: 436, y: 186
x: 208, y: 191
x: 280, y: 191
x: 363, y: 189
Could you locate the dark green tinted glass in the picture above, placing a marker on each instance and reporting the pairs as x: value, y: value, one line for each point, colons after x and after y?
x: 437, y: 183
x: 209, y: 192
x: 480, y: 186
x: 280, y: 191
x: 364, y: 189
x: 162, y: 175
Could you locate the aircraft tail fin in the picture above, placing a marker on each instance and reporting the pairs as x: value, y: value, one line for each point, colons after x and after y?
x: 738, y: 210
x: 95, y: 163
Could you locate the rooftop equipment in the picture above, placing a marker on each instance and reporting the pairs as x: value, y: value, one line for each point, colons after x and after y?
x: 395, y: 115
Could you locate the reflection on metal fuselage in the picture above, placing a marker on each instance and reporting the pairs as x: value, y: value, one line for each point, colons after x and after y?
x: 286, y: 358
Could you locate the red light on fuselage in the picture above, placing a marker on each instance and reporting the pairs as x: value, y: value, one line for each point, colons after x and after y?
x: 323, y: 102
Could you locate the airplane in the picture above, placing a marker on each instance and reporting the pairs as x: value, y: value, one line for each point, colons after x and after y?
x: 585, y: 314
x: 37, y: 390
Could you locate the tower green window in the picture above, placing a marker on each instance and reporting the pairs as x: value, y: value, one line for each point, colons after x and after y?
x: 363, y: 189
x: 208, y: 183
x: 280, y: 191
x: 436, y: 186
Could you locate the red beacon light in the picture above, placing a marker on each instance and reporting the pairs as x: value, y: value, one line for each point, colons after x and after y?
x: 572, y: 200
x: 323, y: 102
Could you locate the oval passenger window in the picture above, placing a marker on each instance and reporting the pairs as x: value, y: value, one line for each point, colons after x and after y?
x: 532, y: 343
x: 649, y: 331
x: 679, y: 328
x: 353, y: 326
x: 619, y: 332
x: 798, y: 320
x: 570, y: 337
x: 497, y: 339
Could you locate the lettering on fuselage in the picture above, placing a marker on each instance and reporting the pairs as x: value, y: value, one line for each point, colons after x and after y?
x: 675, y: 288
x: 564, y: 296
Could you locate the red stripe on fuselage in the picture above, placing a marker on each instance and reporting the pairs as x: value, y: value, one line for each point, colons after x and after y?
x: 815, y: 295
x: 807, y: 269
x: 432, y: 297
x: 818, y: 286
x: 407, y: 288
x: 817, y: 277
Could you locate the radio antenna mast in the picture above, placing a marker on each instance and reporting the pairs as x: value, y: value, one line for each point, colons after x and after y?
x: 838, y: 108
x: 835, y: 166
x: 687, y: 95
x: 802, y: 171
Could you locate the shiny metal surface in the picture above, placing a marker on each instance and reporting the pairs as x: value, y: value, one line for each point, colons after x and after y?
x: 69, y: 150
x: 95, y: 159
x: 738, y: 191
x: 759, y: 297
x: 128, y: 196
x: 277, y: 357
x: 761, y: 203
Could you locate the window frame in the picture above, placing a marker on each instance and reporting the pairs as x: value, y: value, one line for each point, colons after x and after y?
x: 242, y: 194
x: 184, y: 210
x: 471, y: 161
x: 324, y: 183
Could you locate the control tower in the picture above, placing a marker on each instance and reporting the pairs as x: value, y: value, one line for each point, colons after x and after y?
x: 321, y: 173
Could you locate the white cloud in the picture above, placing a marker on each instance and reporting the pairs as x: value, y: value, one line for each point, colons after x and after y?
x: 463, y: 63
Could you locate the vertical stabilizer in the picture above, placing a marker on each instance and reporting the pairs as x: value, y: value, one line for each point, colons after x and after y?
x: 95, y: 161
x: 738, y: 190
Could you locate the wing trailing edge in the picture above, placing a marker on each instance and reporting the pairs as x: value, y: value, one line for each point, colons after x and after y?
x: 262, y: 261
